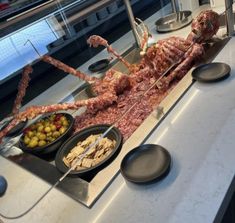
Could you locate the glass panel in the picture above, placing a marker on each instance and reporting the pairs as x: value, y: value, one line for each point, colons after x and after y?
x: 17, y: 53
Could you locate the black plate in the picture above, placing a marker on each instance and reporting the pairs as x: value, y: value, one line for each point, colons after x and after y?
x: 146, y: 164
x: 99, y: 65
x: 16, y: 130
x: 211, y: 72
x: 114, y: 133
x: 53, y: 146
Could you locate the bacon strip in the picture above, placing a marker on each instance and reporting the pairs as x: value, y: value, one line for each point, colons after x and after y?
x: 24, y: 82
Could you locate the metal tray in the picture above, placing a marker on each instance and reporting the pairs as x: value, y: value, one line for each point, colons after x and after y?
x: 173, y: 21
x: 87, y: 191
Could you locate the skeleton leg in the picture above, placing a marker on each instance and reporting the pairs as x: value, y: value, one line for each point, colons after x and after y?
x: 33, y: 111
x: 23, y: 84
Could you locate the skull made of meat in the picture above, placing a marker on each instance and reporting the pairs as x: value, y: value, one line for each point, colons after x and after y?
x: 204, y: 26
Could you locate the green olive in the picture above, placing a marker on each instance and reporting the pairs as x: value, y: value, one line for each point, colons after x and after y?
x: 46, y: 123
x: 35, y: 138
x: 30, y: 134
x: 53, y: 127
x: 38, y: 134
x: 50, y: 139
x: 62, y: 118
x: 33, y: 143
x: 65, y: 123
x: 56, y: 134
x: 26, y: 140
x: 47, y: 129
x: 49, y: 134
x: 62, y: 130
x: 40, y: 128
x: 42, y: 143
x: 42, y: 136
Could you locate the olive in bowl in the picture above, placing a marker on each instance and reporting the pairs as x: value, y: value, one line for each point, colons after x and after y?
x: 47, y: 134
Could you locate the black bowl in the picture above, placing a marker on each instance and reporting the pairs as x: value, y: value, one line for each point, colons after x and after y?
x: 99, y: 65
x: 53, y: 146
x: 113, y: 133
x: 16, y: 130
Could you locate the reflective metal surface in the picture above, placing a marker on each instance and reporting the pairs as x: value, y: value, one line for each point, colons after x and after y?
x: 229, y: 17
x: 222, y: 19
x: 131, y: 20
x: 173, y: 5
x: 174, y: 21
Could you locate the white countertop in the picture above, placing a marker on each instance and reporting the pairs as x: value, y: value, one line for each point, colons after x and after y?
x: 199, y: 134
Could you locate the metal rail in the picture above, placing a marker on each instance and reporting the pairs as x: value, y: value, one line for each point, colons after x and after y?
x: 173, y: 5
x: 132, y: 21
x: 229, y: 17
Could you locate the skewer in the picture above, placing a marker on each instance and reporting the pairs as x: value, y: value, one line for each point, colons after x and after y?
x: 29, y: 41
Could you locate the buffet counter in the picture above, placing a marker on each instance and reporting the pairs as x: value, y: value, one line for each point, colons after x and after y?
x: 198, y: 133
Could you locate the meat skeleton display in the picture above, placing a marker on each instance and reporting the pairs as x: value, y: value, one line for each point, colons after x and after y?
x: 148, y: 82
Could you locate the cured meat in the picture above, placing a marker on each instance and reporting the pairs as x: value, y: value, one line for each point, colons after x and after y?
x: 193, y: 53
x: 22, y: 89
x: 113, y: 81
x: 67, y: 69
x: 204, y: 26
x: 96, y: 41
x: 144, y: 105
